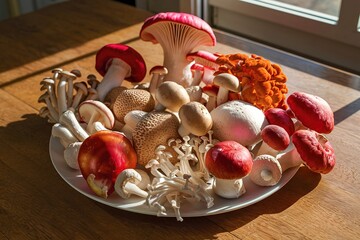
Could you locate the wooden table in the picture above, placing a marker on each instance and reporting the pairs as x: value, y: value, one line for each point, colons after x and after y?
x: 35, y: 203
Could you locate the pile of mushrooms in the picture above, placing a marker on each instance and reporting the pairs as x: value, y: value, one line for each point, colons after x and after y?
x: 202, y: 124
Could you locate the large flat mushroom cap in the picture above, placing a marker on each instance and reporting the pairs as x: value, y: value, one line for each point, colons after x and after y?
x: 193, y: 22
x: 312, y: 111
x: 126, y: 54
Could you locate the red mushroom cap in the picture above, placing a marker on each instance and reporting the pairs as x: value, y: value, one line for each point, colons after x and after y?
x: 276, y: 137
x: 315, y: 151
x: 126, y: 54
x: 197, y: 66
x: 280, y: 117
x: 181, y: 18
x: 312, y: 111
x: 211, y: 90
x: 228, y: 160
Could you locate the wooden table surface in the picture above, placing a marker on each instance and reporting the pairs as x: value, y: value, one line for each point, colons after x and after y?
x: 35, y: 203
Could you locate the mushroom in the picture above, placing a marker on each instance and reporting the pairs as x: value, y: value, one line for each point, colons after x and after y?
x: 208, y: 61
x: 92, y: 111
x: 132, y: 99
x: 82, y: 91
x: 312, y: 111
x: 116, y: 62
x: 65, y: 136
x: 266, y: 170
x: 45, y: 98
x: 93, y: 82
x: 172, y: 96
x: 127, y: 182
x: 71, y: 153
x: 49, y: 85
x: 131, y: 119
x: 280, y: 117
x: 70, y: 88
x: 238, y: 121
x: 275, y: 139
x: 154, y: 129
x: 111, y: 96
x: 102, y: 157
x: 68, y: 119
x: 195, y: 119
x: 65, y: 77
x: 198, y: 72
x: 212, y: 92
x: 228, y: 162
x: 195, y: 93
x: 157, y: 75
x: 226, y: 82
x: 178, y: 34
x: 312, y: 149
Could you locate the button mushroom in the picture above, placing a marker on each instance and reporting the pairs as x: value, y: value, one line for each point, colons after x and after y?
x: 238, y: 121
x: 312, y: 111
x: 195, y: 119
x: 228, y: 162
x: 102, y: 157
x: 171, y: 95
x: 157, y: 75
x: 178, y: 34
x: 116, y: 62
x: 92, y: 111
x: 226, y: 82
x: 311, y: 149
x: 274, y: 140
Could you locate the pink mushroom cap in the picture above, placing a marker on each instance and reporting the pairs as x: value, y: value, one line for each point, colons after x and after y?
x: 126, y: 54
x: 315, y: 151
x: 204, y: 58
x: 312, y: 111
x: 276, y: 137
x: 180, y: 18
x: 280, y: 117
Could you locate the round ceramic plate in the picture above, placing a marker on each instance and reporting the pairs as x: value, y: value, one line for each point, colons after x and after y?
x: 253, y: 193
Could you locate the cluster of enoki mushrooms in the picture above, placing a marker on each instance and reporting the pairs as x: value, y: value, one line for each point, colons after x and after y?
x: 201, y: 124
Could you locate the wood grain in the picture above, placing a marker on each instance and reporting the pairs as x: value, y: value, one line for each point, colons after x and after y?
x: 35, y: 203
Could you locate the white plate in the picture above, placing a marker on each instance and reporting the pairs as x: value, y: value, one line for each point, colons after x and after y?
x: 253, y: 193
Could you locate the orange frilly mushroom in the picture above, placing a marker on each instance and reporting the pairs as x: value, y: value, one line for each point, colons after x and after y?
x: 263, y: 83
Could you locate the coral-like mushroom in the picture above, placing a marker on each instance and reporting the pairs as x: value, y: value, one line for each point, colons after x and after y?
x: 178, y: 34
x: 116, y: 62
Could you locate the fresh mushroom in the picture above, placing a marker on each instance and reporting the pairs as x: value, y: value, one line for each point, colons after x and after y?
x: 208, y: 61
x: 132, y: 99
x: 195, y: 93
x: 311, y: 149
x: 195, y: 119
x: 274, y: 140
x: 312, y: 111
x: 92, y: 111
x: 131, y: 119
x: 127, y: 182
x: 157, y: 75
x: 116, y: 62
x: 81, y: 91
x: 238, y: 121
x: 65, y: 77
x: 226, y: 82
x: 49, y: 85
x: 93, y: 82
x: 45, y: 98
x: 266, y: 170
x: 71, y: 153
x: 280, y: 117
x: 68, y: 119
x: 102, y: 157
x: 178, y: 34
x: 111, y: 96
x: 64, y: 134
x: 198, y: 72
x: 212, y: 92
x: 228, y: 162
x: 171, y: 95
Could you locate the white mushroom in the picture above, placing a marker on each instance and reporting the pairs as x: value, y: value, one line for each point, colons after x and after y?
x: 226, y: 82
x: 82, y: 91
x: 65, y: 136
x: 131, y: 119
x: 266, y: 170
x: 71, y: 154
x: 126, y: 184
x: 68, y: 119
x: 46, y: 99
x: 65, y: 76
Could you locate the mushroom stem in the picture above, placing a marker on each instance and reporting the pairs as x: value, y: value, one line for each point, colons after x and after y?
x: 66, y: 137
x: 115, y: 75
x: 222, y: 96
x: 69, y: 120
x: 290, y: 159
x: 61, y: 93
x: 232, y: 188
x: 179, y: 68
x: 71, y: 154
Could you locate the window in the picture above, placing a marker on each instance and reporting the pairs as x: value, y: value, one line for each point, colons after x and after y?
x: 324, y: 30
